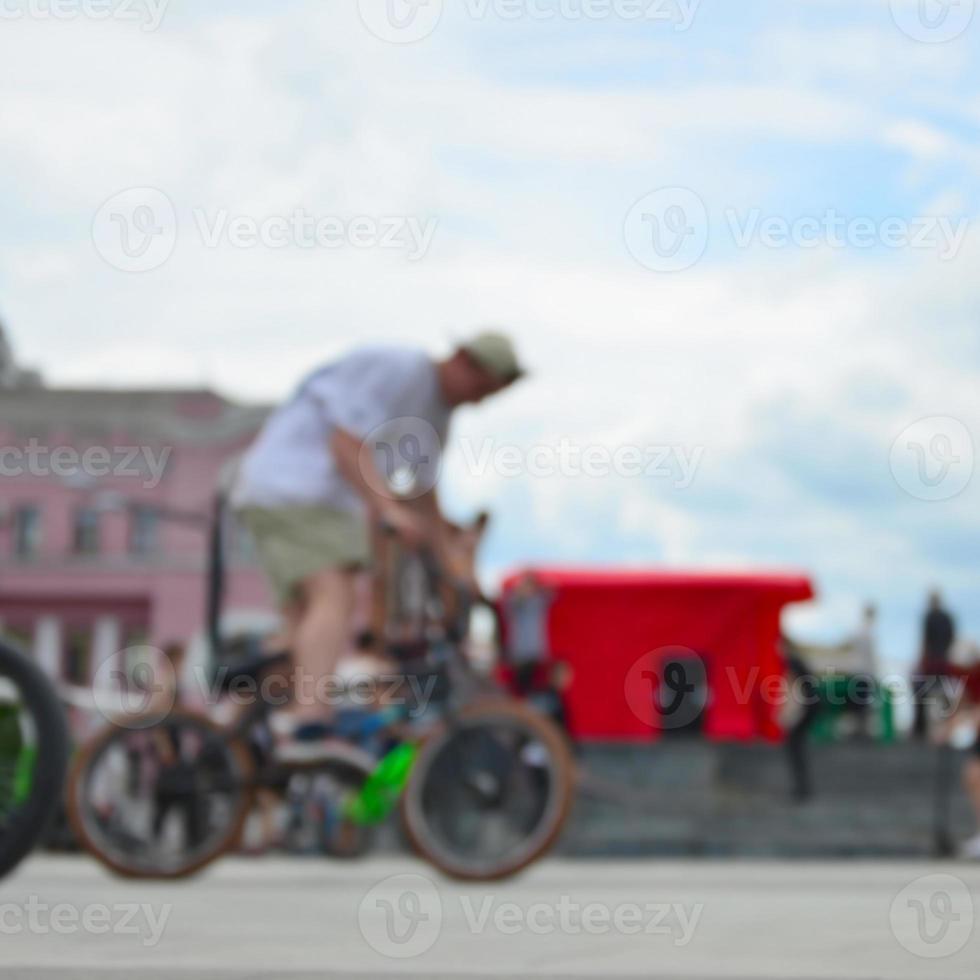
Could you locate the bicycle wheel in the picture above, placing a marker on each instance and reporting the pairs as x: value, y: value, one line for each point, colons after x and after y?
x: 33, y: 755
x: 490, y: 792
x: 160, y: 802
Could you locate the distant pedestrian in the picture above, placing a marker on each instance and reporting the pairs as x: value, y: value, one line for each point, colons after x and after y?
x: 967, y: 713
x: 802, y: 709
x: 526, y: 611
x: 862, y: 680
x: 938, y: 635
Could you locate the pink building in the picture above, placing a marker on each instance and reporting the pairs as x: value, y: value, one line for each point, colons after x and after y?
x: 103, y: 501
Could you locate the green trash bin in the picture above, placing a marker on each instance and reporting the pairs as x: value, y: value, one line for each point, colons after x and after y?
x: 832, y: 689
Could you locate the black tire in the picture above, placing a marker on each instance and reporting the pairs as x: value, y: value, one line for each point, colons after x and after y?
x: 23, y: 823
x: 222, y: 772
x: 490, y: 738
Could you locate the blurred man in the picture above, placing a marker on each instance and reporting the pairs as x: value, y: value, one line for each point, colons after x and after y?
x: 526, y: 611
x: 799, y: 714
x: 938, y: 634
x: 862, y: 676
x: 968, y: 712
x: 322, y: 471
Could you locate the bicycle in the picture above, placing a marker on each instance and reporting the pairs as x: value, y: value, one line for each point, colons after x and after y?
x: 33, y: 755
x: 484, y: 783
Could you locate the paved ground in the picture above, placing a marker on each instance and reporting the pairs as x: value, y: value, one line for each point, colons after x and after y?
x: 286, y: 919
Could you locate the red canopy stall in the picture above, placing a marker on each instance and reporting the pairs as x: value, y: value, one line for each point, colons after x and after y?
x: 653, y: 652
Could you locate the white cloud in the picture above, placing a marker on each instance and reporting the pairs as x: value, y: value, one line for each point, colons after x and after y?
x: 529, y: 176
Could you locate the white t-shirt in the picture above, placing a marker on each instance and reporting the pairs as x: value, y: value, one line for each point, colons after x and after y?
x: 388, y: 393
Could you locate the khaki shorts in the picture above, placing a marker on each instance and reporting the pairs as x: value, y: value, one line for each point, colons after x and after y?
x: 296, y: 542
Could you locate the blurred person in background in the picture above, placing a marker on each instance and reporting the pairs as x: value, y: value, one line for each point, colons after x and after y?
x: 862, y: 680
x: 967, y: 713
x: 800, y: 712
x: 938, y: 635
x: 310, y: 494
x: 526, y: 610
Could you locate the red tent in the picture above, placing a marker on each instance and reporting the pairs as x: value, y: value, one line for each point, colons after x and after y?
x: 624, y: 633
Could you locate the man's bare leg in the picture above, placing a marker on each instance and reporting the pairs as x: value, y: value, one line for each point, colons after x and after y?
x: 284, y: 638
x: 320, y: 637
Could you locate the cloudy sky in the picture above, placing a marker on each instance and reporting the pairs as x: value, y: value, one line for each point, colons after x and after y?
x: 736, y: 242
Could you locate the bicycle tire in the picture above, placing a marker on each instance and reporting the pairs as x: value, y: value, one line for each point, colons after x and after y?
x: 423, y: 838
x: 21, y: 830
x: 78, y: 781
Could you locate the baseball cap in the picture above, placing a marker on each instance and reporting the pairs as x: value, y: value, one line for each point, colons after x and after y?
x: 495, y: 353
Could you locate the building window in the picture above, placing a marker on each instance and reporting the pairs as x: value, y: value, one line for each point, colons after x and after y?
x: 87, y: 531
x: 144, y: 532
x: 27, y: 531
x: 77, y: 657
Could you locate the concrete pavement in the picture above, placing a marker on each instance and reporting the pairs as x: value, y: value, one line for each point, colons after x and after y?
x: 687, y: 920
